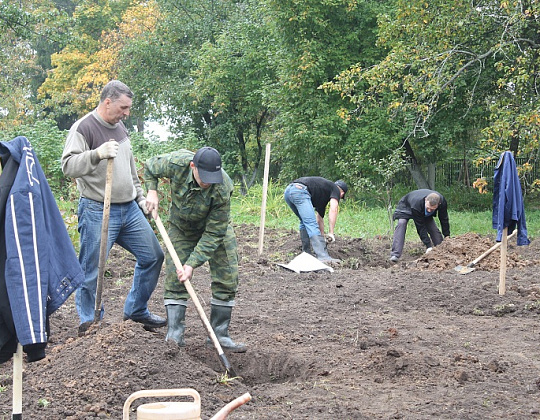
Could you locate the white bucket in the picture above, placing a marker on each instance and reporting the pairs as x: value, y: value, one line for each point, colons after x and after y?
x: 177, y: 410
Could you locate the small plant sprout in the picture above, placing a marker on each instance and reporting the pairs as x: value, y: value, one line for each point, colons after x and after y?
x: 42, y: 402
x: 224, y: 379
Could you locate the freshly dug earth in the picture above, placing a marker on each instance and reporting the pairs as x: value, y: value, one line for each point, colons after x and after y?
x: 372, y: 340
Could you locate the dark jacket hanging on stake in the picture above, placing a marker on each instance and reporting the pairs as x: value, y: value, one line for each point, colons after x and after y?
x: 508, y: 208
x: 41, y: 266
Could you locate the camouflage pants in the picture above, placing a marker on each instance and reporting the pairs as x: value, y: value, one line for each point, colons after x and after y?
x: 223, y: 265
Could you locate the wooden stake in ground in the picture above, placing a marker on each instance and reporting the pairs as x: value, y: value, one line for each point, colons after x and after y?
x: 17, y: 383
x: 104, y: 239
x: 264, y: 194
x: 502, y: 274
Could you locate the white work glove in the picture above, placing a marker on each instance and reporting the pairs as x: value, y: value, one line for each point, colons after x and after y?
x: 108, y: 150
x: 330, y: 237
x: 142, y: 205
x: 429, y: 250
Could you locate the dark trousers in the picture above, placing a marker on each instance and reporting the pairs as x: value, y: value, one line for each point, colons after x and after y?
x: 401, y: 229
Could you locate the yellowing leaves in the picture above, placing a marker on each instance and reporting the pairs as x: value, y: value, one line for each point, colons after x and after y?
x: 480, y: 184
x: 139, y: 19
x: 79, y: 75
x: 344, y: 114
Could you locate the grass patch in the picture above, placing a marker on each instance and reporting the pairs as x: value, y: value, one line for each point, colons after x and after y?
x: 357, y: 220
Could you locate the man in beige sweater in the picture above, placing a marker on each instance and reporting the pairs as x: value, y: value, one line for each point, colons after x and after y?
x: 96, y: 137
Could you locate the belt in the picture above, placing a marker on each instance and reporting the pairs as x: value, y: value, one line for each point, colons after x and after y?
x: 298, y: 185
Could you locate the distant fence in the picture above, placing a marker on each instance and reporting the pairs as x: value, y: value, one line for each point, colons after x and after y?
x: 460, y: 172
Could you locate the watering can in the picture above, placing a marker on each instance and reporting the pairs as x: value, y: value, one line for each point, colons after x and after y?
x: 175, y: 410
x: 179, y: 410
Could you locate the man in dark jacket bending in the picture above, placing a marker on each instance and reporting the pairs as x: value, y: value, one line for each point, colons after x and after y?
x: 421, y: 206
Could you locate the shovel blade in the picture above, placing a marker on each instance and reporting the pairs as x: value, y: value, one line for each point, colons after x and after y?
x: 463, y: 270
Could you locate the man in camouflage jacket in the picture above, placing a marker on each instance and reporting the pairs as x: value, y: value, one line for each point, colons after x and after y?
x: 200, y: 230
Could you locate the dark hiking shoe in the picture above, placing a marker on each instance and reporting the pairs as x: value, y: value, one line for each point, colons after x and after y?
x: 149, y: 321
x: 84, y: 327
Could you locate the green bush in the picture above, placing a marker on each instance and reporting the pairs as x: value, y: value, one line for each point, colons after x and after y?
x: 48, y: 143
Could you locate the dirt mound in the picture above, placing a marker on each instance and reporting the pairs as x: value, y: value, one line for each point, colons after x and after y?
x: 464, y: 249
x: 371, y: 340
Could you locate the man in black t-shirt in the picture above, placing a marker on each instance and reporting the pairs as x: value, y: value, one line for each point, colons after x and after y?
x: 306, y: 193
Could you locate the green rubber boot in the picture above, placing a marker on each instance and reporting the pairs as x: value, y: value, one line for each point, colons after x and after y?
x: 319, y: 246
x: 220, y: 318
x: 176, y: 323
x: 306, y: 243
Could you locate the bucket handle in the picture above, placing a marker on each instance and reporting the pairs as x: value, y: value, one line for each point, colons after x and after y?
x: 160, y: 393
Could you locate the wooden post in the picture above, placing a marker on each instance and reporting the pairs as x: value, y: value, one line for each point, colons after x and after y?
x: 502, y: 274
x: 264, y: 193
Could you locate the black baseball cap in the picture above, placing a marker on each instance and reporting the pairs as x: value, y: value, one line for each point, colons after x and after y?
x: 341, y: 184
x: 208, y: 163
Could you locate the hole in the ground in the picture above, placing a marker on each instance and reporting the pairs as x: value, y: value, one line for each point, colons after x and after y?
x: 255, y: 367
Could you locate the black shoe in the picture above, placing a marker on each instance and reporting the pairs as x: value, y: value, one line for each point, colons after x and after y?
x: 149, y: 321
x: 84, y: 327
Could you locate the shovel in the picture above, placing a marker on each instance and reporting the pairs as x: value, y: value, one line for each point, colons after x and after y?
x: 470, y: 267
x: 230, y: 371
x: 104, y: 239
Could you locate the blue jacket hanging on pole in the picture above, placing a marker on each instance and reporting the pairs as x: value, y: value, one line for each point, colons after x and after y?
x: 508, y: 208
x: 41, y: 267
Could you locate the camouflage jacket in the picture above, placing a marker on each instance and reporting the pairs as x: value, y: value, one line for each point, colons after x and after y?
x: 197, y: 212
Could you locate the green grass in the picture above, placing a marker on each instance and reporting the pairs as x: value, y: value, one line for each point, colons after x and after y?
x: 359, y: 221
x: 356, y: 219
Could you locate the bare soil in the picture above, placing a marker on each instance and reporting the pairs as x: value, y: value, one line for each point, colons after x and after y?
x: 373, y: 340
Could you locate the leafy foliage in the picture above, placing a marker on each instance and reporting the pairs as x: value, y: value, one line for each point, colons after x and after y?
x: 313, y: 42
x: 31, y: 29
x: 91, y: 59
x: 334, y: 85
x: 48, y: 143
x: 457, y: 68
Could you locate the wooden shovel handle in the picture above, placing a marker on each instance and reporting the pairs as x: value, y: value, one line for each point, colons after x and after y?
x: 489, y: 251
x: 192, y: 294
x: 104, y: 238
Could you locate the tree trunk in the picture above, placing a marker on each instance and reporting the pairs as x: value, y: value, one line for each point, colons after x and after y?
x: 140, y: 125
x: 243, y: 158
x: 463, y: 176
x: 514, y: 144
x: 414, y: 168
x: 417, y: 176
x: 246, y: 185
x: 431, y: 176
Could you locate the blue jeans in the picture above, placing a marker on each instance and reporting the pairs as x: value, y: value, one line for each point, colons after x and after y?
x: 299, y: 200
x: 129, y: 228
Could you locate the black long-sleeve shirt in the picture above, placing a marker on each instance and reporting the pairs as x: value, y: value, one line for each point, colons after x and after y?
x: 413, y: 206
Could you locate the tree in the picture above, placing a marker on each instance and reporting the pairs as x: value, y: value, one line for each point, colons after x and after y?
x: 204, y: 69
x: 314, y: 41
x: 235, y: 72
x: 159, y: 65
x: 89, y: 61
x: 456, y: 63
x: 31, y: 29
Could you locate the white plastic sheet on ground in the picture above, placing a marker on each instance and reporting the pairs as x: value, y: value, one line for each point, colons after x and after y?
x: 306, y: 262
